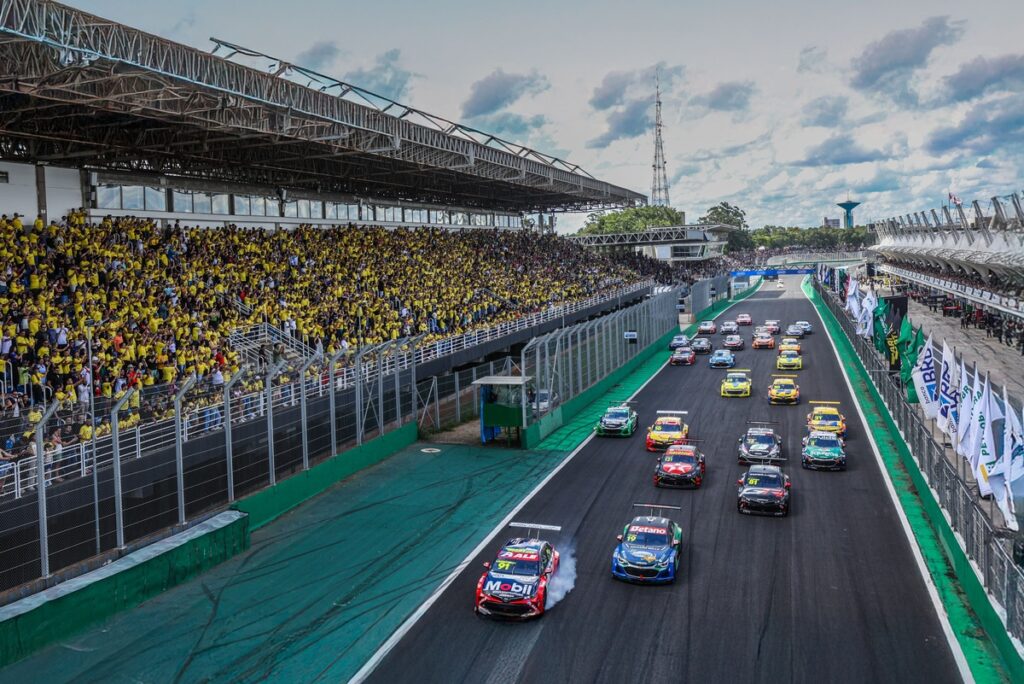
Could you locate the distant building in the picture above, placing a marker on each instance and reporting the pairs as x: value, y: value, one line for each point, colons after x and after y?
x: 830, y: 222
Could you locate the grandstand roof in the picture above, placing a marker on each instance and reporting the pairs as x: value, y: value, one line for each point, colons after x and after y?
x: 76, y: 88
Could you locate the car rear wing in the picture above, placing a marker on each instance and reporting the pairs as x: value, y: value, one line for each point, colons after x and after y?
x: 530, y: 527
x: 833, y: 403
x: 654, y: 507
x: 762, y: 422
x: 673, y: 413
x: 784, y: 375
x: 764, y: 460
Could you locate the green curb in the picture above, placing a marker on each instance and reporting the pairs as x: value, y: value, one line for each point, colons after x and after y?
x: 986, y: 646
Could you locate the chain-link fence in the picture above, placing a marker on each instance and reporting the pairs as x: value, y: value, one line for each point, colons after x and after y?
x: 564, y: 363
x: 1003, y: 579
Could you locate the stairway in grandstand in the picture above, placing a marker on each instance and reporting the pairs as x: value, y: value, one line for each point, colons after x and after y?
x: 253, y: 342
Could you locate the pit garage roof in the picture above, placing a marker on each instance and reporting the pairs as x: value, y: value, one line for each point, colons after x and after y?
x: 79, y: 89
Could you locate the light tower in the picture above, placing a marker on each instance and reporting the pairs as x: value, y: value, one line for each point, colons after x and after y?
x: 659, y: 182
x: 848, y: 207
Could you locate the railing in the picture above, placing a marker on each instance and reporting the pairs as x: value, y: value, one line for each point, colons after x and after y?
x: 1002, y: 578
x: 255, y: 336
x: 807, y: 257
x: 1005, y: 303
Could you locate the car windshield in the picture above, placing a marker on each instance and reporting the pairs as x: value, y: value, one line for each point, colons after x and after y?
x: 828, y: 442
x: 680, y: 458
x: 763, y: 480
x: 819, y: 415
x: 737, y: 378
x: 783, y: 386
x: 619, y: 414
x: 666, y: 427
x: 513, y: 562
x: 644, y: 535
x: 542, y: 395
x: 789, y: 354
x: 760, y: 439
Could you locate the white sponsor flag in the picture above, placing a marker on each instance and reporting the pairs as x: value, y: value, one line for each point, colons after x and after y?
x: 866, y: 312
x: 851, y: 287
x: 975, y: 448
x: 967, y: 403
x: 1013, y: 443
x: 924, y: 379
x: 948, y: 396
x: 853, y: 306
x: 990, y: 463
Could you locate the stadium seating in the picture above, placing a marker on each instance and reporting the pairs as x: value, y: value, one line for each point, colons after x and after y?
x: 164, y: 301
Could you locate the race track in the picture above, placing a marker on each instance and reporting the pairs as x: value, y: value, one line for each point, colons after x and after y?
x: 830, y: 594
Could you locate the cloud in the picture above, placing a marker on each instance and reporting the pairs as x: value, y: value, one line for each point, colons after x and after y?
x: 843, y: 149
x: 682, y: 171
x: 989, y: 127
x: 510, y: 125
x: 612, y: 90
x: 812, y: 59
x: 499, y: 89
x: 886, y: 65
x: 982, y: 75
x: 883, y: 181
x: 732, y: 96
x: 828, y: 111
x: 632, y: 119
x: 318, y: 56
x: 385, y: 77
x: 182, y: 25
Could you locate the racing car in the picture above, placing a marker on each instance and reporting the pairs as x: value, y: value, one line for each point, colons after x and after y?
x: 736, y: 384
x: 729, y: 328
x: 683, y: 356
x: 678, y: 341
x: 789, y: 360
x: 682, y: 465
x: 722, y: 358
x: 784, y: 390
x: 707, y: 328
x: 808, y: 328
x: 823, y: 451
x: 619, y: 420
x: 826, y: 418
x: 763, y: 489
x: 744, y: 319
x: 763, y: 341
x: 789, y: 344
x: 773, y: 326
x: 648, y: 549
x: 668, y: 429
x: 733, y: 342
x: 701, y: 345
x: 794, y: 330
x: 760, y: 444
x: 515, y: 583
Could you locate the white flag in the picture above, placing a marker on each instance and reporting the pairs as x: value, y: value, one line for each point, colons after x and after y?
x: 975, y: 453
x: 948, y: 396
x: 853, y: 305
x: 967, y: 403
x: 851, y: 287
x: 925, y: 381
x: 990, y: 462
x: 1013, y: 442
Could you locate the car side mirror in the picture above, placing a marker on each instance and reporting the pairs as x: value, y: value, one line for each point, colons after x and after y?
x: 675, y: 542
x: 619, y: 537
x: 487, y: 564
x: 740, y: 482
x: 788, y: 484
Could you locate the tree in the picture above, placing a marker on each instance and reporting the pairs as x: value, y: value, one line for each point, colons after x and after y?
x: 632, y: 220
x: 727, y: 214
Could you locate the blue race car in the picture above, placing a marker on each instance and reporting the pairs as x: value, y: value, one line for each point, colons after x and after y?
x: 722, y: 358
x: 648, y: 550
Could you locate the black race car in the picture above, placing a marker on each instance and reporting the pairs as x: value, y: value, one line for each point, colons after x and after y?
x: 763, y: 489
x: 682, y: 465
x: 701, y: 345
x: 760, y: 445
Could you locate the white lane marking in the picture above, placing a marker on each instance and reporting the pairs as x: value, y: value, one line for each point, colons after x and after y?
x: 367, y: 669
x: 940, y: 609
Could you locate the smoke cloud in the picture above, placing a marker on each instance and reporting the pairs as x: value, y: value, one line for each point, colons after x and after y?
x: 564, y: 580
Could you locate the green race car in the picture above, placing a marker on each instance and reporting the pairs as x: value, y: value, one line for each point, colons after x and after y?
x: 823, y: 451
x: 619, y: 420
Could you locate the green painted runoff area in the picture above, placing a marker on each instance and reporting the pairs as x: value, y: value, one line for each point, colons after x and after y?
x: 325, y: 583
x: 981, y: 634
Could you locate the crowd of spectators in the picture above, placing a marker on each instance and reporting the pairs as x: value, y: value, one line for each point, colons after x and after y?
x: 159, y: 303
x: 992, y: 283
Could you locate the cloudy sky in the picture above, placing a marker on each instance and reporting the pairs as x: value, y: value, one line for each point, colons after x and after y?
x: 781, y: 107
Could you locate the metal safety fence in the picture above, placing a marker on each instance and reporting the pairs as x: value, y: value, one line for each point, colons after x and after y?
x: 567, y: 361
x: 990, y: 552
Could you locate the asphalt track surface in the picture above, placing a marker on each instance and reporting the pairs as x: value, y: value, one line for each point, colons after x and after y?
x: 830, y: 594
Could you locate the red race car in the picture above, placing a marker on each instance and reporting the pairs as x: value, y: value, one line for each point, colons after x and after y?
x: 515, y: 583
x: 744, y: 319
x: 684, y: 356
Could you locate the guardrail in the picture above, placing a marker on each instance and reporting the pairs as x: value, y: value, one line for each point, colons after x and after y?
x: 1002, y: 578
x: 1010, y: 305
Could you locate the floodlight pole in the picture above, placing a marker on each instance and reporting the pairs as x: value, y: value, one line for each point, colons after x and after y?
x: 44, y: 533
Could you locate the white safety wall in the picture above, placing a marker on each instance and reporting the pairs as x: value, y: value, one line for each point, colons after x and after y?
x: 18, y: 194
x: 63, y: 192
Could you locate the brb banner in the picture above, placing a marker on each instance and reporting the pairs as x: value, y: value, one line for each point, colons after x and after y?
x: 772, y: 271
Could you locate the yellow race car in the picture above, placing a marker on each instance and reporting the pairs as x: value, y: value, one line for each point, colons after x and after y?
x: 789, y: 360
x: 736, y: 384
x: 668, y: 429
x: 789, y: 344
x: 784, y: 390
x: 826, y: 419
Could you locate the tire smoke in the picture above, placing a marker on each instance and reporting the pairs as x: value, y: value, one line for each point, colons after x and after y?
x: 564, y: 580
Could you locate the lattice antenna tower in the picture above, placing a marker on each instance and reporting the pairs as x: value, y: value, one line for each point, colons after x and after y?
x: 659, y: 182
